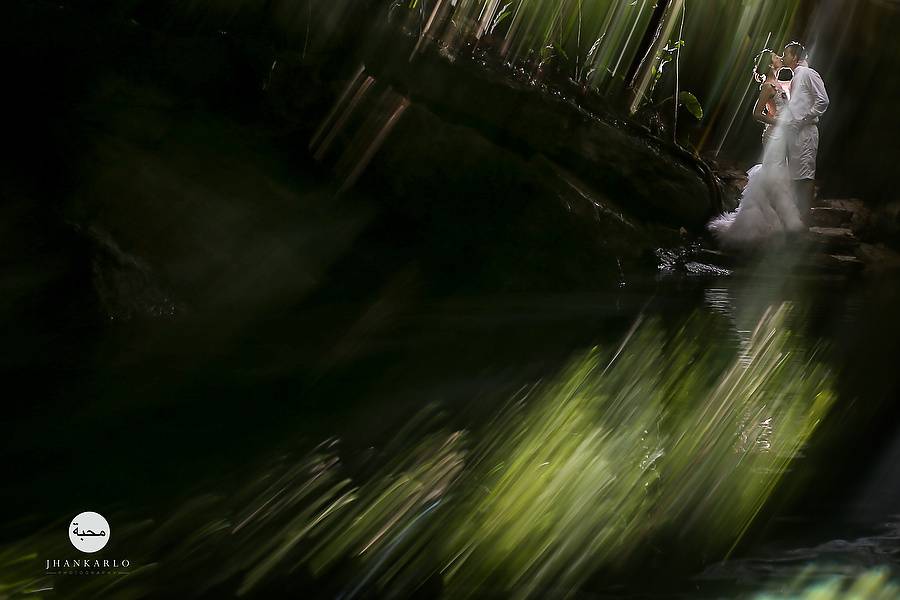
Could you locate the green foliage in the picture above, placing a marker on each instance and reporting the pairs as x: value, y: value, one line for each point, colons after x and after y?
x: 690, y: 102
x: 504, y: 14
x: 663, y: 58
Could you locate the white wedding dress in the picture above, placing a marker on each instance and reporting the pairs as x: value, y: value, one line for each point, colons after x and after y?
x: 767, y: 208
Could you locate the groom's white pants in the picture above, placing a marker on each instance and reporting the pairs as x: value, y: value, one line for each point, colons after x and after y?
x: 802, y: 148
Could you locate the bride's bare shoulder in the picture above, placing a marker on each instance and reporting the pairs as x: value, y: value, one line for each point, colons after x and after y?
x: 767, y: 90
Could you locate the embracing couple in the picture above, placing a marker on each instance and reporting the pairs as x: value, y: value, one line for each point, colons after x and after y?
x: 779, y: 191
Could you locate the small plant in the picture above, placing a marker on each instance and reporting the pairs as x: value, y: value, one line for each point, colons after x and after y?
x: 690, y: 102
x: 652, y: 111
x: 501, y: 16
x: 663, y: 57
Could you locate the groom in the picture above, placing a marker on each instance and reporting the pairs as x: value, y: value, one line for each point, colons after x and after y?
x: 809, y: 101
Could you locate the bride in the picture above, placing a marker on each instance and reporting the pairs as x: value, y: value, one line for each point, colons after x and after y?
x: 767, y: 208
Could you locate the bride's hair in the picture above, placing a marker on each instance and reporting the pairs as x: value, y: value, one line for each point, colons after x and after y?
x: 762, y: 65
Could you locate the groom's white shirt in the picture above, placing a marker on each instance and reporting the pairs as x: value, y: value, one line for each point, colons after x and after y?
x: 809, y: 100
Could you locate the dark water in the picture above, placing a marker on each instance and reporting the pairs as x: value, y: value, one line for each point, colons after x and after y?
x: 173, y: 413
x: 263, y: 389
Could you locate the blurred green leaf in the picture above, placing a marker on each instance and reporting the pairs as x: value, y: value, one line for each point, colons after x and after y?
x: 690, y: 102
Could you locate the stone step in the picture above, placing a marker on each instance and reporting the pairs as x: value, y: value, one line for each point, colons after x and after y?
x: 879, y: 257
x: 833, y: 264
x: 832, y: 232
x: 850, y: 204
x: 860, y: 215
x: 834, y: 238
x: 826, y: 216
x: 845, y: 261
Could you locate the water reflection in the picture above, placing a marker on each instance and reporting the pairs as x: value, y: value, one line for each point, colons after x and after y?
x: 854, y: 568
x: 662, y: 441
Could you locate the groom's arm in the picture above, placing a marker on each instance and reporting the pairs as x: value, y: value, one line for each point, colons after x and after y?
x: 819, y: 96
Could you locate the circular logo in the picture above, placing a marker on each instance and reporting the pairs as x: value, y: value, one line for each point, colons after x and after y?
x: 89, y: 531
